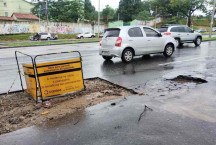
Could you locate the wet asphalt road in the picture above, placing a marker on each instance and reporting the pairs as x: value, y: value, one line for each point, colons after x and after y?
x: 178, y: 117
x: 129, y: 75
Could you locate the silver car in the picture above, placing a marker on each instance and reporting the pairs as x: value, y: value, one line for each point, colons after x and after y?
x: 129, y: 41
x: 182, y: 34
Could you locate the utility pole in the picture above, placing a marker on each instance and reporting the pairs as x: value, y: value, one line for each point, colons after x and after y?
x: 99, y: 19
x: 39, y: 11
x: 178, y: 12
x: 155, y: 23
x: 212, y: 19
x: 47, y: 20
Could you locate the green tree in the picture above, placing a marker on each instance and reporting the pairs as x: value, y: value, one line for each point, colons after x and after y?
x: 61, y: 10
x: 89, y: 11
x: 128, y: 9
x: 144, y: 15
x: 39, y: 10
x: 188, y: 7
x: 108, y: 13
x: 170, y: 9
x: 163, y: 8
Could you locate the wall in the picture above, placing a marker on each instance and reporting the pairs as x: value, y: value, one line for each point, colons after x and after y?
x: 54, y: 27
x: 134, y: 23
x: 115, y: 24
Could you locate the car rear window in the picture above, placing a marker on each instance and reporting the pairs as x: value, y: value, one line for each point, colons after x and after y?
x: 112, y: 33
x: 163, y: 29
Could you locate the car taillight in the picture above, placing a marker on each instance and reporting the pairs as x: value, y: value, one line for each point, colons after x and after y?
x: 118, y: 42
x: 167, y: 33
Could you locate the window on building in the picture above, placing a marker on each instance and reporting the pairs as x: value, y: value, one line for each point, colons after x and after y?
x: 5, y: 4
x: 6, y: 14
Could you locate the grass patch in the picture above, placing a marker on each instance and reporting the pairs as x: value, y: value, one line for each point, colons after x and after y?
x: 14, y: 37
x: 209, y: 39
x: 207, y: 33
x: 66, y: 36
x: 44, y: 43
x: 22, y: 37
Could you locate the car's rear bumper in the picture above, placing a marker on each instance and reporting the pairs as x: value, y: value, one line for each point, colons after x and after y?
x: 114, y: 52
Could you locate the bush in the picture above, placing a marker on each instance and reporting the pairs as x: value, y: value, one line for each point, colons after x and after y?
x: 66, y: 36
x: 14, y: 37
x: 21, y: 37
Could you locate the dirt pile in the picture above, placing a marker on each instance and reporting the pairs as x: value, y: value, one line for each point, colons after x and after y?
x: 19, y: 110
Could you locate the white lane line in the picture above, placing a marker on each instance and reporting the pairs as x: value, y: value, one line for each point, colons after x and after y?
x: 180, y: 61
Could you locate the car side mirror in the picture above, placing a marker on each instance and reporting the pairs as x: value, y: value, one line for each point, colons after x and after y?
x: 192, y: 31
x: 159, y: 34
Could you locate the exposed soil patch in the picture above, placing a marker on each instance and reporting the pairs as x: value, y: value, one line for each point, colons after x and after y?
x: 188, y: 79
x: 19, y: 110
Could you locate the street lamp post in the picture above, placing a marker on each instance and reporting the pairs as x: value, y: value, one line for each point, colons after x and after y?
x: 47, y: 20
x: 99, y: 19
x: 212, y: 19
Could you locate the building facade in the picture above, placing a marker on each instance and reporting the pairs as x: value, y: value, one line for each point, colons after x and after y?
x: 8, y: 7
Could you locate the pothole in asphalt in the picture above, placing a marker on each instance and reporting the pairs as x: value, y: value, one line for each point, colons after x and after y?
x: 188, y: 79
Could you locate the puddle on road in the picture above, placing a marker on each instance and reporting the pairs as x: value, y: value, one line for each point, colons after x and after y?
x: 188, y: 79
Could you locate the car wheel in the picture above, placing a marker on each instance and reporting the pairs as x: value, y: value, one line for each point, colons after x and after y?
x: 127, y: 55
x: 168, y: 51
x: 178, y: 42
x: 107, y: 57
x: 198, y: 41
x: 81, y: 37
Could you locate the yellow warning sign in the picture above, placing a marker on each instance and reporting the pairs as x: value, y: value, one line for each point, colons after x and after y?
x: 55, y: 78
x: 31, y: 84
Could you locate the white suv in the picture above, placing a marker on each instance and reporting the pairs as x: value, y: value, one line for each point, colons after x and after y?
x: 129, y: 41
x: 182, y: 34
x: 85, y: 35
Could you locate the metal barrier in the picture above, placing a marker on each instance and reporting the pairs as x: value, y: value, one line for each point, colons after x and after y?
x: 51, y: 79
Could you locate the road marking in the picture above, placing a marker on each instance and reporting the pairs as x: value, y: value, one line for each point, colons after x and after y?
x: 180, y: 61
